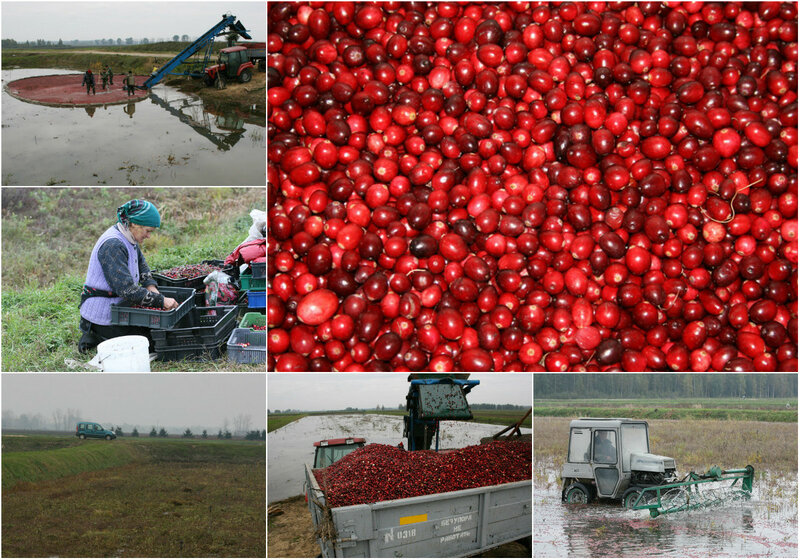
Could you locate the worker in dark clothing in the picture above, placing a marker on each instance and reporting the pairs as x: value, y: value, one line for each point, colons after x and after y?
x: 130, y: 81
x: 104, y: 77
x: 110, y: 75
x: 604, y: 449
x: 88, y: 81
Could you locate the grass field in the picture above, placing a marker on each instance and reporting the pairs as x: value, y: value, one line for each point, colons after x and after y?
x: 499, y: 417
x: 763, y: 410
x: 141, y: 498
x: 42, y: 279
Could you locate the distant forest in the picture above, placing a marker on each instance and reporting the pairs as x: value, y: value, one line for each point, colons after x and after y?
x: 655, y: 386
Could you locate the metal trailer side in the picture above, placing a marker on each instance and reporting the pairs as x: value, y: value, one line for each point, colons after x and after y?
x: 451, y: 524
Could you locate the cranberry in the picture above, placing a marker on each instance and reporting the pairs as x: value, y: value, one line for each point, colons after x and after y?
x: 552, y: 187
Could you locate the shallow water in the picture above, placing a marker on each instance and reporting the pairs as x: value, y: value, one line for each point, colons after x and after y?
x: 763, y: 526
x: 170, y: 138
x: 291, y: 447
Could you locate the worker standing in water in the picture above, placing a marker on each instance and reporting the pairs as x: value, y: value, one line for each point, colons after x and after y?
x: 88, y: 81
x: 130, y: 81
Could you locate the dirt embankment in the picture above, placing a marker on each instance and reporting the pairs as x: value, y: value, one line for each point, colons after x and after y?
x: 291, y: 534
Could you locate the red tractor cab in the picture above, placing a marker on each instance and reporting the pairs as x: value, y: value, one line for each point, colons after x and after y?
x: 329, y: 451
x: 233, y: 63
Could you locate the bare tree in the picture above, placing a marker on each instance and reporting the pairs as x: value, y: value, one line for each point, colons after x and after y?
x: 241, y: 423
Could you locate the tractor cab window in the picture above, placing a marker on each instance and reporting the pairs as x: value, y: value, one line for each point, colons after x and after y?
x: 634, y: 440
x: 579, y: 443
x: 605, y: 446
x: 326, y: 456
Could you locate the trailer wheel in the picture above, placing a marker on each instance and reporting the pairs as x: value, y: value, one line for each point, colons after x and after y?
x: 630, y: 496
x: 577, y: 493
x: 245, y: 76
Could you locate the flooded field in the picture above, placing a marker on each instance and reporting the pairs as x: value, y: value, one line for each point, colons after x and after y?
x: 763, y: 526
x: 170, y: 138
x: 291, y: 447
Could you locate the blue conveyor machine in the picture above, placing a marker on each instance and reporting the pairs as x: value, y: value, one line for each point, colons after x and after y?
x: 206, y: 42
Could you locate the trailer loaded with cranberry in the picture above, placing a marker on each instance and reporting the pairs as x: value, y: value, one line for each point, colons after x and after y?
x: 415, y: 501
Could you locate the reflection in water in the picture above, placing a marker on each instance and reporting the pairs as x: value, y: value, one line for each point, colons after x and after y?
x: 192, y: 111
x: 90, y: 111
x: 755, y: 527
x: 130, y: 109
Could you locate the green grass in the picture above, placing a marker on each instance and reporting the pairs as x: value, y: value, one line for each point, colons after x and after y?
x: 42, y: 280
x: 498, y: 417
x: 40, y: 457
x: 762, y: 410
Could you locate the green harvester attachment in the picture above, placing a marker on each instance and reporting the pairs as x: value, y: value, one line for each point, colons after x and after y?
x: 696, y: 491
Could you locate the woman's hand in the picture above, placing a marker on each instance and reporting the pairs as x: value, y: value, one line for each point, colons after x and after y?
x: 170, y: 303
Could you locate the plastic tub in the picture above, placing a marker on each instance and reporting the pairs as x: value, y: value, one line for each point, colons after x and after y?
x: 125, y: 354
x: 257, y: 300
x: 251, y: 319
x: 246, y: 346
x: 155, y: 318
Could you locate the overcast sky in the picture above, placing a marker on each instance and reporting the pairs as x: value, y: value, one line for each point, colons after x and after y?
x: 335, y: 392
x: 139, y: 399
x: 51, y: 21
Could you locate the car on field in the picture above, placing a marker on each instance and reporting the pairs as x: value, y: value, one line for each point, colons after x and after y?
x: 85, y: 430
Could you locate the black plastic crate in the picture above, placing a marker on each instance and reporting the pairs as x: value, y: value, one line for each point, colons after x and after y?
x: 203, y: 326
x: 195, y: 282
x: 259, y: 269
x: 198, y: 352
x: 152, y: 318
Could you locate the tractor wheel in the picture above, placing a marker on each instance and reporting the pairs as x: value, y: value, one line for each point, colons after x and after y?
x: 577, y: 493
x: 219, y: 82
x: 245, y: 76
x: 630, y: 496
x: 208, y: 80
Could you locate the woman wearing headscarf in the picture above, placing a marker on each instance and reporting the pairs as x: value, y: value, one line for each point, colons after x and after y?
x: 118, y: 273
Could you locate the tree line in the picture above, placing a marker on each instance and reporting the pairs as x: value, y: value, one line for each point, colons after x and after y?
x: 42, y: 44
x: 648, y: 385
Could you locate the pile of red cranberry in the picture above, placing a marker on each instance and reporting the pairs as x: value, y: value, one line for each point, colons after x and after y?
x: 532, y: 186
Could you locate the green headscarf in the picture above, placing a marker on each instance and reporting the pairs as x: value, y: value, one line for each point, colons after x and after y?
x: 139, y: 212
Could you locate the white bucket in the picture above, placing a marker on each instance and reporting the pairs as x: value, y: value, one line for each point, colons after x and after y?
x: 125, y: 354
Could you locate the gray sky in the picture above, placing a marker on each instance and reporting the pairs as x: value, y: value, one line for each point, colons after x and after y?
x: 334, y: 392
x: 140, y: 399
x: 51, y: 21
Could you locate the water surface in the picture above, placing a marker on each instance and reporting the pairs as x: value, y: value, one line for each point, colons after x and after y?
x: 170, y: 138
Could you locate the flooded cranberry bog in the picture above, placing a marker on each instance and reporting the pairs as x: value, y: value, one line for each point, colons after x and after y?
x: 53, y: 134
x: 765, y: 525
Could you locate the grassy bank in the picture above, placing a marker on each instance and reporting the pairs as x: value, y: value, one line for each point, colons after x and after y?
x: 668, y: 413
x: 35, y: 458
x: 695, y: 444
x: 498, y: 417
x: 42, y: 279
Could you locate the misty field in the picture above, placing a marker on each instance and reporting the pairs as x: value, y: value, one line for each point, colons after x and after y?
x: 133, y: 498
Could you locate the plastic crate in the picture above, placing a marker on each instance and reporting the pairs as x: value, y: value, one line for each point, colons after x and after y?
x: 255, y: 353
x: 250, y: 283
x: 196, y: 282
x: 259, y: 269
x: 203, y: 326
x: 155, y: 319
x: 183, y: 352
x: 257, y: 300
x: 251, y: 319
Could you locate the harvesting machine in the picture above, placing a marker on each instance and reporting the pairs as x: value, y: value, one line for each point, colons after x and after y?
x: 610, y: 458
